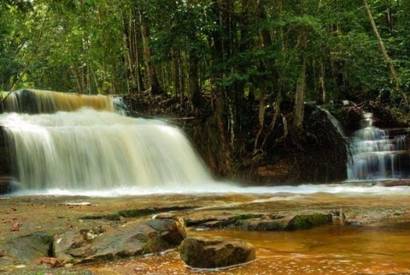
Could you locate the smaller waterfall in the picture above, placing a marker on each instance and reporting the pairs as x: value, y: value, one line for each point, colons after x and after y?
x: 375, y: 154
x: 336, y: 124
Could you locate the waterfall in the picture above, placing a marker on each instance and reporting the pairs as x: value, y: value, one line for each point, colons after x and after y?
x: 375, y: 154
x: 87, y: 149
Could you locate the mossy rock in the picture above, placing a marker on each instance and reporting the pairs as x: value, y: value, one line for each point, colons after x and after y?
x: 308, y: 221
x: 263, y: 225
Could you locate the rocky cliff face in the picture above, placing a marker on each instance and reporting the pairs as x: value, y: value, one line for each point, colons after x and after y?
x: 325, y: 146
x: 7, y: 178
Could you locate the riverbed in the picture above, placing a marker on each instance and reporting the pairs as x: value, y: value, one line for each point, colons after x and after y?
x: 373, y: 238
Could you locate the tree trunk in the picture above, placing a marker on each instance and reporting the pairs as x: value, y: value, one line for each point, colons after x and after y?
x: 272, y: 125
x: 194, y: 81
x: 321, y: 96
x: 299, y: 107
x: 151, y: 73
x: 261, y: 117
x: 389, y: 62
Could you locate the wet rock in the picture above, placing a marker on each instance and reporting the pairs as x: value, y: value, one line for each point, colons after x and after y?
x: 264, y: 224
x: 323, y: 139
x: 308, y: 221
x: 137, y: 213
x: 29, y: 248
x: 222, y: 221
x: 202, y: 252
x: 393, y: 183
x: 129, y: 240
x: 260, y: 222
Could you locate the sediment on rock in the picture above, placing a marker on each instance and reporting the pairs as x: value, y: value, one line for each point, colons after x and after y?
x: 202, y: 252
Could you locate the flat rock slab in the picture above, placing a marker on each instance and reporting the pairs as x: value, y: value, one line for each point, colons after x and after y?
x: 262, y: 222
x: 136, y: 213
x: 393, y: 183
x: 132, y: 239
x: 200, y: 252
x: 28, y: 248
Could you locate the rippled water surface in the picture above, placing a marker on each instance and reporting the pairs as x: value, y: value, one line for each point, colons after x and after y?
x: 329, y: 250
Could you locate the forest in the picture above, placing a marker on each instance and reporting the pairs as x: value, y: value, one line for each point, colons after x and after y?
x: 236, y: 50
x: 251, y: 64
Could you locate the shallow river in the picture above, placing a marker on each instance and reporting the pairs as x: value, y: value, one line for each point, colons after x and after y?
x: 329, y: 250
x: 379, y: 246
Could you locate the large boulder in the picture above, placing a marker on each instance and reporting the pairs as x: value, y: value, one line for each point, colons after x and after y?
x: 130, y: 240
x: 202, y: 252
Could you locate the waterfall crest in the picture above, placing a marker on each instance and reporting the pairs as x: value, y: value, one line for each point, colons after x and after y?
x: 38, y: 101
x: 375, y: 154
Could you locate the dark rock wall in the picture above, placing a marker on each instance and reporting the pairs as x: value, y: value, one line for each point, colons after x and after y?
x: 7, y: 176
x: 325, y: 156
x: 320, y: 156
x: 5, y: 169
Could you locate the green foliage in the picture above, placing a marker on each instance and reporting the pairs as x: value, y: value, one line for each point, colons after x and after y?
x: 97, y: 46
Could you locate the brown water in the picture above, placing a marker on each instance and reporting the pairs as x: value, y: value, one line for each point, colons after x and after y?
x: 328, y: 250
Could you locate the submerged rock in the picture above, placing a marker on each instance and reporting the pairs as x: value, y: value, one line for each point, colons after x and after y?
x: 202, y: 252
x: 28, y: 248
x: 130, y: 240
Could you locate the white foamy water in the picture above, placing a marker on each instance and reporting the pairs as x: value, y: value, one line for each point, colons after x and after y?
x: 223, y: 188
x: 376, y: 155
x: 88, y: 150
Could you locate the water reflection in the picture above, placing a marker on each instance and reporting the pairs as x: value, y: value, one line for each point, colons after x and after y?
x: 329, y: 250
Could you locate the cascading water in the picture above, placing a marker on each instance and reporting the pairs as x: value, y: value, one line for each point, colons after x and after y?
x: 377, y: 155
x: 38, y: 101
x: 99, y: 150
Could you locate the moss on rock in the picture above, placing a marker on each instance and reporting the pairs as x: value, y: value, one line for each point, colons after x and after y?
x: 308, y: 221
